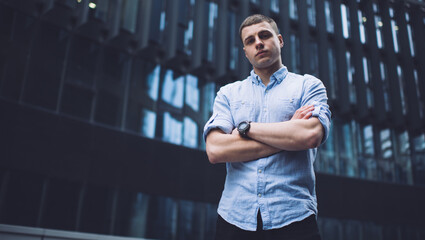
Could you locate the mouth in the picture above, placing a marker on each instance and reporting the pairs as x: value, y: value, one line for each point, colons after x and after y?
x: 260, y: 53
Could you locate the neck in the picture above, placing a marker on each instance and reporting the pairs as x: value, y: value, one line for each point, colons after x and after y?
x: 266, y: 73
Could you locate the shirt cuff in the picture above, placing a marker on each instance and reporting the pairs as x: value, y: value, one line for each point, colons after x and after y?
x: 216, y: 122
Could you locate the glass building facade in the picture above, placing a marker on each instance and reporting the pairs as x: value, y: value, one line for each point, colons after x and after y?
x: 148, y: 71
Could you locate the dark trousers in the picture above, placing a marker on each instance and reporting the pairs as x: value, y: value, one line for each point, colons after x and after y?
x: 303, y: 230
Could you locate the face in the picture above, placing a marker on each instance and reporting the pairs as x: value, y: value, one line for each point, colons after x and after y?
x: 262, y: 46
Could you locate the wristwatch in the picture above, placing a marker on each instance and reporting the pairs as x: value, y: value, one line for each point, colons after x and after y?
x: 243, y: 128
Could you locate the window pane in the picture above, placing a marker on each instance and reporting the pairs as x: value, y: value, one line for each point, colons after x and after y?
x: 329, y: 17
x: 148, y: 123
x: 401, y: 83
x: 403, y: 167
x: 311, y: 12
x: 152, y: 82
x: 385, y: 163
x: 212, y: 28
x: 295, y: 54
x: 172, y: 92
x: 332, y: 73
x: 192, y: 92
x: 190, y: 133
x: 419, y: 160
x: 362, y: 31
x: 345, y: 21
x: 350, y: 74
x: 293, y: 9
x: 172, y: 131
x: 129, y: 15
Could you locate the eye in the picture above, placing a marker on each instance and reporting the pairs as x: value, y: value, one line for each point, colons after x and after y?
x: 265, y: 35
x: 249, y: 41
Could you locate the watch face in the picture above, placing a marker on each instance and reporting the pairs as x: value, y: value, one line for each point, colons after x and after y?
x: 243, y: 125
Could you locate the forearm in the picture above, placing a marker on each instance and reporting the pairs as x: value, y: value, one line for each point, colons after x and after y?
x: 294, y: 135
x: 223, y: 147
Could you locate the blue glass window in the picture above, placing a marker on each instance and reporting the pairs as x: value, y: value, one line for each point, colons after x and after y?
x: 172, y: 130
x: 401, y: 83
x: 233, y: 34
x: 378, y: 26
x: 329, y: 17
x: 362, y: 31
x: 385, y: 86
x: 345, y: 17
x: 386, y: 162
x: 192, y: 92
x: 295, y: 54
x: 212, y: 28
x: 172, y: 92
x: 350, y: 74
x: 274, y: 6
x: 152, y: 82
x: 148, y: 124
x: 293, y: 9
x: 190, y: 133
x: 129, y: 15
x: 311, y: 12
x: 333, y: 88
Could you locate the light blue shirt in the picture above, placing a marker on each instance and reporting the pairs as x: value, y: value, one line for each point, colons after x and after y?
x: 281, y: 186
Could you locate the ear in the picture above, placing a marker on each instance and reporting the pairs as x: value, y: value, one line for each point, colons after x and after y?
x: 281, y: 43
x: 244, y: 50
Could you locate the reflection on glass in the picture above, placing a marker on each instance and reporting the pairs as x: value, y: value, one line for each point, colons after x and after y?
x: 367, y: 75
x: 385, y: 86
x: 172, y: 92
x: 192, y: 92
x: 418, y: 93
x: 190, y: 133
x: 332, y: 73
x: 129, y: 15
x: 403, y: 167
x: 386, y: 163
x: 148, y: 123
x: 361, y: 26
x: 138, y: 215
x: 293, y: 9
x: 274, y: 6
x: 401, y: 88
x: 348, y: 161
x: 410, y: 35
x: 233, y: 40
x: 345, y: 17
x: 329, y: 17
x: 295, y: 54
x: 378, y: 26
x: 327, y: 161
x: 153, y: 82
x: 394, y: 30
x: 350, y: 74
x: 311, y: 12
x: 314, y: 59
x: 212, y: 27
x: 172, y: 131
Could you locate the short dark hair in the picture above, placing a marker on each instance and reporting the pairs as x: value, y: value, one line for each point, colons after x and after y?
x: 257, y: 18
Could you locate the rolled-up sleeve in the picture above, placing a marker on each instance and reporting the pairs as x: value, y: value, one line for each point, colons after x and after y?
x: 221, y: 117
x: 315, y: 95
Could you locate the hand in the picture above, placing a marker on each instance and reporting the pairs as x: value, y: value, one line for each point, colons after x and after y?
x: 303, y: 112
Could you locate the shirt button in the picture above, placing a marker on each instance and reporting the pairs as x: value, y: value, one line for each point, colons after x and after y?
x: 259, y: 171
x: 259, y: 195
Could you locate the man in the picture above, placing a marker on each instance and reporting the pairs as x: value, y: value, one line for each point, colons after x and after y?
x: 267, y: 144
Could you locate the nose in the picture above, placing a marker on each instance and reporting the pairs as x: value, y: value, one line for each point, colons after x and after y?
x: 258, y: 43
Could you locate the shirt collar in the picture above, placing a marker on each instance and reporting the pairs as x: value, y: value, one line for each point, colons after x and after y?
x: 278, y: 76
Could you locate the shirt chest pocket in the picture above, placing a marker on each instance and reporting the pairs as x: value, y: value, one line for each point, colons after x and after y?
x: 283, y: 109
x: 242, y: 111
